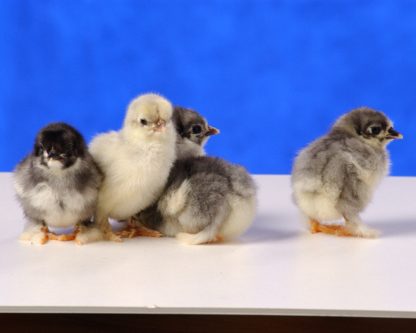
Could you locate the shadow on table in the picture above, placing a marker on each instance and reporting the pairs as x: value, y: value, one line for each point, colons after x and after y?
x: 268, y: 228
x: 395, y: 228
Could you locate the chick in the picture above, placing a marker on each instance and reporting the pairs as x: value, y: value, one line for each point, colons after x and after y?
x: 193, y: 132
x: 135, y: 160
x: 57, y: 184
x: 205, y: 200
x: 335, y: 176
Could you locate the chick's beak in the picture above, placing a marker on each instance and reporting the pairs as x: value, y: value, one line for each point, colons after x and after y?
x: 53, y: 155
x: 212, y: 131
x: 393, y: 134
x: 159, y: 125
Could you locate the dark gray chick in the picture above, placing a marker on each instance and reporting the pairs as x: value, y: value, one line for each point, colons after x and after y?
x: 193, y: 132
x: 57, y: 184
x: 335, y: 176
x: 206, y: 200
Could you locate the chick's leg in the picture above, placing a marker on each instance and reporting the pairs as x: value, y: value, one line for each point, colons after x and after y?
x: 337, y: 230
x: 88, y: 234
x: 314, y: 226
x: 93, y: 231
x: 103, y: 224
x: 62, y: 237
x: 136, y: 229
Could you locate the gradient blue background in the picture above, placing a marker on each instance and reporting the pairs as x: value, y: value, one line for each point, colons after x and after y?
x: 272, y: 75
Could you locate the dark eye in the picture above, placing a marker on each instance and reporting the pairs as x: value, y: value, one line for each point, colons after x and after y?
x: 196, y: 129
x: 143, y: 122
x: 375, y: 130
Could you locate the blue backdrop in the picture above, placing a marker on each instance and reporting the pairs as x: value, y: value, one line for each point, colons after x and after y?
x: 272, y: 75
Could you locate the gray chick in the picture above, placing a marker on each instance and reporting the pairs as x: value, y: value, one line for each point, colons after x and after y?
x: 335, y: 176
x: 205, y: 200
x: 57, y: 184
x: 193, y: 132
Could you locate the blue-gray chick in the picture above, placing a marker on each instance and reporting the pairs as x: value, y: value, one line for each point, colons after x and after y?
x: 335, y: 176
x: 205, y: 200
x: 193, y: 132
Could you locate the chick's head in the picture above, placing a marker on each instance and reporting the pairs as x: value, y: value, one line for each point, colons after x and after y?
x: 191, y: 125
x: 372, y: 126
x: 59, y: 145
x: 148, y: 115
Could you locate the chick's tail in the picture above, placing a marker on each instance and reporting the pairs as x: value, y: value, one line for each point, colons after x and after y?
x: 243, y: 212
x: 210, y: 233
x: 207, y: 235
x: 235, y: 218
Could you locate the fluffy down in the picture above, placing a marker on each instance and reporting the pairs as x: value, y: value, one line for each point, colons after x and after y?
x: 57, y: 184
x: 135, y: 160
x: 206, y: 200
x: 335, y: 176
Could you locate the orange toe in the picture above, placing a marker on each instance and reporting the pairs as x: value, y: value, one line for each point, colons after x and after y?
x: 314, y: 226
x: 337, y: 230
x: 138, y: 231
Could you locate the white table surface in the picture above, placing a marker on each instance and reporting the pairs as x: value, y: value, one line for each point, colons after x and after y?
x: 275, y: 268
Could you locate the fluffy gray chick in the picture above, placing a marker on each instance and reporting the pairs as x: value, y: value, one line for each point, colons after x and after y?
x: 57, y: 184
x: 206, y: 199
x: 193, y: 132
x: 335, y: 176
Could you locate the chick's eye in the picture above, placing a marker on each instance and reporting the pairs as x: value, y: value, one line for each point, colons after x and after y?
x: 375, y: 130
x: 143, y: 122
x: 196, y: 129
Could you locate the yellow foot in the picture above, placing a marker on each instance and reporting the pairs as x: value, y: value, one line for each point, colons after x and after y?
x: 138, y: 231
x: 42, y: 237
x: 217, y: 239
x: 112, y: 236
x: 63, y: 237
x: 337, y: 230
x: 314, y: 226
